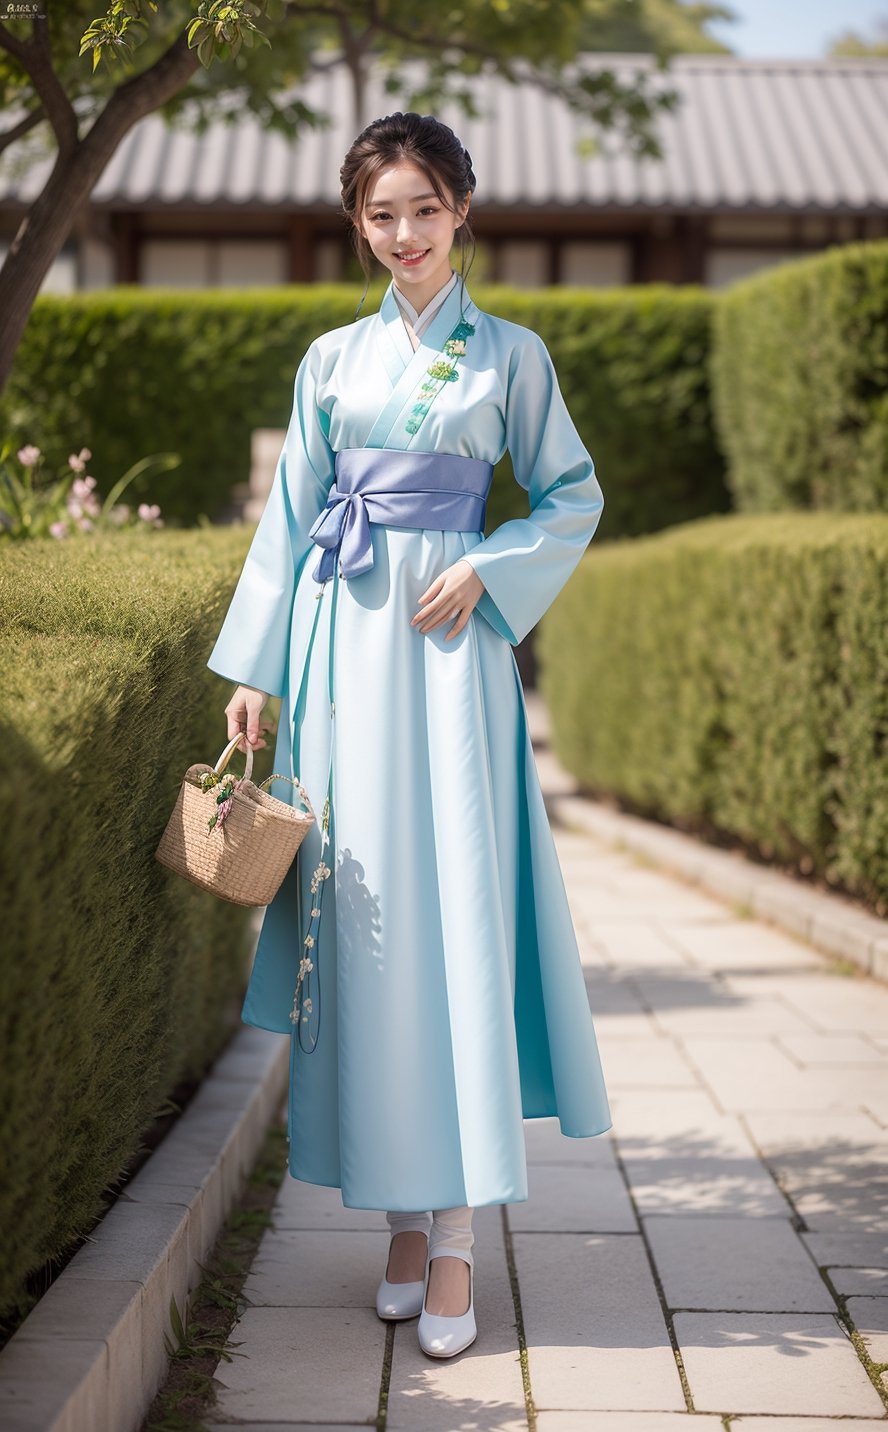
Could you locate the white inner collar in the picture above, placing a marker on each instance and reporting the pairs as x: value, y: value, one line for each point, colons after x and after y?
x: 420, y: 321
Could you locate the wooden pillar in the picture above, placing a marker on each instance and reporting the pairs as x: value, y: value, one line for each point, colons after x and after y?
x: 496, y: 266
x: 692, y: 247
x: 124, y: 229
x: 300, y: 251
x: 553, y: 261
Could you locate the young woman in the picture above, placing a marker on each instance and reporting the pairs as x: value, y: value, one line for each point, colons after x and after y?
x: 453, y: 1004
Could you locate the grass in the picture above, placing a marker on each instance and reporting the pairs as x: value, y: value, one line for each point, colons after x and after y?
x: 201, y: 1331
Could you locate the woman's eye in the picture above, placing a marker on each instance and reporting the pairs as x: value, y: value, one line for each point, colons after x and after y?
x: 429, y: 209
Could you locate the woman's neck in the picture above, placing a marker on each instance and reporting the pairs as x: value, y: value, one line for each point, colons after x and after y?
x: 420, y: 295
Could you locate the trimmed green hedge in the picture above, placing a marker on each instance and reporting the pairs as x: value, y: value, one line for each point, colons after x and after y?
x: 121, y: 980
x: 800, y: 383
x: 131, y: 371
x: 730, y: 677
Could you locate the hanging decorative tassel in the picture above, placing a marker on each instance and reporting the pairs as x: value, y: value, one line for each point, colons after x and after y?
x: 303, y: 1004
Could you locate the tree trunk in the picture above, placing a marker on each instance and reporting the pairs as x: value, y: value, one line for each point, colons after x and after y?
x: 39, y: 239
x: 76, y: 171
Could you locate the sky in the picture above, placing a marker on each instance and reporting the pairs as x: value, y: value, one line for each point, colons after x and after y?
x: 795, y: 29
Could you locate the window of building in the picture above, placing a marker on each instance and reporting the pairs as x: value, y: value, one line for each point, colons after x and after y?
x: 524, y: 262
x: 212, y: 263
x: 600, y: 265
x: 724, y: 265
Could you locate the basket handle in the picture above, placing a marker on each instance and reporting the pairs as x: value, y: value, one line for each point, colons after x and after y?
x: 226, y: 755
x: 300, y: 788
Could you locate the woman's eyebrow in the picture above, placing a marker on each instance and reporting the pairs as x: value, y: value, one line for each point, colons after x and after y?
x: 376, y: 203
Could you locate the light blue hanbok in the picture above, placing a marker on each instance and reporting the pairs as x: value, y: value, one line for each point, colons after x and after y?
x: 447, y: 1001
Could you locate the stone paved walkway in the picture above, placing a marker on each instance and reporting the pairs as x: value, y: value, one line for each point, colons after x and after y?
x: 721, y: 1253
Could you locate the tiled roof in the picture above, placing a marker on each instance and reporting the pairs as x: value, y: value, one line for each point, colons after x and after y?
x: 771, y: 135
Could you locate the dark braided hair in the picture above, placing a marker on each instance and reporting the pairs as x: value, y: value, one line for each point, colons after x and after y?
x: 420, y: 139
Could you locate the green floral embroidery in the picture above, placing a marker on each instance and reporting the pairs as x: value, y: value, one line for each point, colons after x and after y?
x: 443, y: 370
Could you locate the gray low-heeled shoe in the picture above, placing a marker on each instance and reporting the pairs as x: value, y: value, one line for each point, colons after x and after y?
x: 399, y: 1300
x: 441, y: 1335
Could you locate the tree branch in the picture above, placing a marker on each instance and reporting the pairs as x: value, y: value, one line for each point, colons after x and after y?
x: 146, y: 92
x: 12, y: 44
x: 35, y: 59
x: 30, y: 121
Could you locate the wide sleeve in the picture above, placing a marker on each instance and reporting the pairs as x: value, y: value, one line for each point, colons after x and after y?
x: 252, y: 648
x: 525, y: 562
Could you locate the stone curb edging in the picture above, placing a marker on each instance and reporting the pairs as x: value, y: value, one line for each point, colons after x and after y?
x: 90, y: 1356
x: 829, y: 922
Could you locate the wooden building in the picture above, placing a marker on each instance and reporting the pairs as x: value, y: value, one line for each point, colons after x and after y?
x: 764, y: 160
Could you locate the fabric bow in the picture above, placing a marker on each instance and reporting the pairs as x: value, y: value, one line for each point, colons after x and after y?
x: 343, y: 529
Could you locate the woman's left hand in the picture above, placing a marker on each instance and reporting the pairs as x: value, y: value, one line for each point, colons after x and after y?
x: 454, y: 593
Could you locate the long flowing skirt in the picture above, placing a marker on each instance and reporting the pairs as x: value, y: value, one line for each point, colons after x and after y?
x: 448, y: 995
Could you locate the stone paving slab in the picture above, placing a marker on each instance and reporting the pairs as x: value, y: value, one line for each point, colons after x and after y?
x: 320, y: 1364
x: 629, y: 944
x: 875, y: 1101
x: 773, y: 1363
x: 595, y: 1330
x: 545, y: 1143
x: 290, y: 1426
x: 831, y: 1049
x: 834, y: 1167
x: 313, y: 1268
x: 573, y: 1199
x: 830, y: 1003
x: 870, y: 1318
x: 743, y: 1264
x: 655, y: 1059
x: 729, y: 946
x: 806, y: 1424
x: 310, y: 1205
x: 682, y: 1156
x: 555, y: 1421
x: 865, y: 1282
x: 748, y: 1075
x: 690, y: 1009
x: 848, y: 1248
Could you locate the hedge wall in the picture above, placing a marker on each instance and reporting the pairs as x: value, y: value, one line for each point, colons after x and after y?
x: 730, y: 677
x: 131, y: 371
x: 799, y: 373
x: 120, y: 980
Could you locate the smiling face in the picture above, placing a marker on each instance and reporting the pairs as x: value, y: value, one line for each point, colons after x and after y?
x: 410, y: 231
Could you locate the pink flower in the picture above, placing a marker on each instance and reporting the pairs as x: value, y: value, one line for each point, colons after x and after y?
x: 58, y: 529
x: 28, y: 455
x: 148, y: 512
x: 86, y: 524
x: 82, y: 486
x: 79, y: 462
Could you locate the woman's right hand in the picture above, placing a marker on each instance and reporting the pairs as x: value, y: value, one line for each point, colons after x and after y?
x: 243, y: 713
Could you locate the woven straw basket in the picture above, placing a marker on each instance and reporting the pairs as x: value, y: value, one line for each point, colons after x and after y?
x: 246, y: 854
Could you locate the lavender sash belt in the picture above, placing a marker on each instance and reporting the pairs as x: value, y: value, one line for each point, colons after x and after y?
x: 440, y: 490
